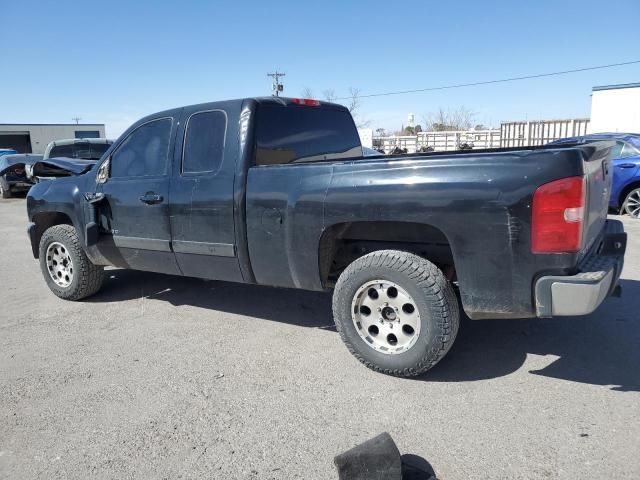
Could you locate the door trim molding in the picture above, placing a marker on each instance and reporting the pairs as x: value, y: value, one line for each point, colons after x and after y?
x: 142, y: 243
x: 204, y: 248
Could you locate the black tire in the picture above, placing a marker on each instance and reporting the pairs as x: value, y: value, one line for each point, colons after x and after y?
x: 5, y: 188
x: 631, y: 205
x: 87, y: 277
x: 433, y: 295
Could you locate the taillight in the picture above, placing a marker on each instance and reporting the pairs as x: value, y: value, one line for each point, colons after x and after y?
x: 558, y: 216
x: 308, y: 102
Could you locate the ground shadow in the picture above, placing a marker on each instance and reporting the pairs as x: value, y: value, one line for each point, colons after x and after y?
x: 296, y: 307
x: 415, y: 467
x: 21, y: 195
x: 598, y: 349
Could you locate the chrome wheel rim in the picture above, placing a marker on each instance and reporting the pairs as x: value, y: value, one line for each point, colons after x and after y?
x: 386, y: 317
x: 632, y: 205
x: 59, y: 264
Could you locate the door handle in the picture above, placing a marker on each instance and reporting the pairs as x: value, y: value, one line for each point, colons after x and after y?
x: 151, y: 198
x: 627, y: 165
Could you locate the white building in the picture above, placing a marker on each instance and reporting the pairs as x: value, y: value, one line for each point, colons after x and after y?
x: 34, y: 137
x: 615, y: 108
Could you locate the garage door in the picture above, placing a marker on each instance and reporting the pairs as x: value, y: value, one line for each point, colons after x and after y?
x: 20, y: 142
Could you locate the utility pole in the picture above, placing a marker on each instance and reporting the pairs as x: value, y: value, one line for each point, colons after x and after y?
x: 76, y: 119
x: 277, y: 86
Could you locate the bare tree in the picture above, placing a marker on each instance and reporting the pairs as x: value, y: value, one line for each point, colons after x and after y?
x: 460, y: 118
x: 329, y: 95
x: 353, y: 104
x: 354, y: 100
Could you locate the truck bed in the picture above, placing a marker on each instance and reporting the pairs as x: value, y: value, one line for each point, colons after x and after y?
x: 473, y: 208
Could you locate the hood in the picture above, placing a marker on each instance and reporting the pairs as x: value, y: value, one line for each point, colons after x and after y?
x: 62, y: 167
x: 12, y: 162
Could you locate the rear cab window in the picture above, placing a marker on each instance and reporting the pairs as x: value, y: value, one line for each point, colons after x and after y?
x: 295, y: 134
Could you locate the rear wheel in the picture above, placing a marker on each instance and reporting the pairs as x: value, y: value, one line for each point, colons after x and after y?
x: 5, y: 188
x: 396, y: 312
x: 631, y: 205
x: 66, y: 269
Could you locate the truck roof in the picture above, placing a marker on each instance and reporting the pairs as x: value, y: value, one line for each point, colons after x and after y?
x: 282, y: 101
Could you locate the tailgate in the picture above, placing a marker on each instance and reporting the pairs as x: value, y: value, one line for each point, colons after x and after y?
x: 599, y: 173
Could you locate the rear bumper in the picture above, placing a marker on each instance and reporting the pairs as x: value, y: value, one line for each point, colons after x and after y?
x: 598, y: 276
x: 20, y: 184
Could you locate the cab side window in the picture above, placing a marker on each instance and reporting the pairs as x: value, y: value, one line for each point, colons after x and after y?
x: 145, y: 152
x: 204, y: 142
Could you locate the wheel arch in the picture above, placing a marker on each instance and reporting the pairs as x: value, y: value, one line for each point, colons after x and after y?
x: 43, y: 221
x: 342, y: 243
x: 625, y: 191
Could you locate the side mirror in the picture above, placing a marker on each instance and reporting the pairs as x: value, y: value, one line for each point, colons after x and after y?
x: 103, y: 172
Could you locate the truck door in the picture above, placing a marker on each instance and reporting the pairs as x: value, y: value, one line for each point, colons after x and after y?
x: 201, y: 189
x: 134, y: 213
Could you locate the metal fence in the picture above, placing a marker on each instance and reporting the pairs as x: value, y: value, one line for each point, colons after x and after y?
x: 440, y: 141
x: 522, y: 134
x: 510, y: 134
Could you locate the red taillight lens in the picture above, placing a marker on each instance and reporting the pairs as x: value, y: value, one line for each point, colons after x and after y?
x: 558, y: 216
x: 309, y: 102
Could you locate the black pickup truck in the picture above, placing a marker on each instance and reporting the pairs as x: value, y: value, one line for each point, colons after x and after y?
x: 276, y: 192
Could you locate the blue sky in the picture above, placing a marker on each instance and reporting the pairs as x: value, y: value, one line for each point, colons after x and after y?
x: 114, y: 62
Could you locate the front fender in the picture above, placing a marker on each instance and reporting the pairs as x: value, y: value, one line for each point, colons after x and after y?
x: 56, y: 202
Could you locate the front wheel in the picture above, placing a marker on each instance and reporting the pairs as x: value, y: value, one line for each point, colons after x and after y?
x: 396, y: 312
x: 66, y: 269
x: 631, y: 205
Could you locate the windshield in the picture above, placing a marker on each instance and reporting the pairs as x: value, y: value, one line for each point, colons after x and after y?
x: 84, y: 151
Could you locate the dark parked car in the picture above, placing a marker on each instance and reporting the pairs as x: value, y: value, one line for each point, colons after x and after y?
x: 11, y: 181
x: 625, y: 190
x: 276, y: 191
x: 15, y: 179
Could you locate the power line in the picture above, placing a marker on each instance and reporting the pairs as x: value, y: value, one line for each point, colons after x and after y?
x: 488, y: 82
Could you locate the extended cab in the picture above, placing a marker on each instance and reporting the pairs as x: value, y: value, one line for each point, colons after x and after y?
x: 276, y: 192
